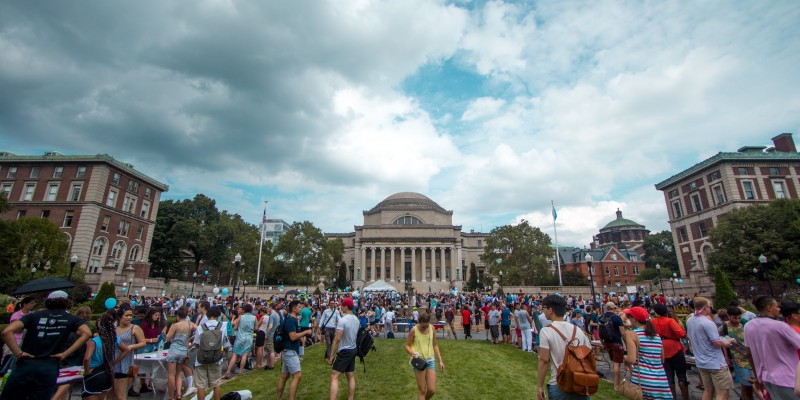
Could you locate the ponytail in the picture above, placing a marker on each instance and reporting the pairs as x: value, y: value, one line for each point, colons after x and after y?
x: 649, y: 329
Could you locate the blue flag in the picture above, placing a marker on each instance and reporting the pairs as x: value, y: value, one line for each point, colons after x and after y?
x: 555, y: 215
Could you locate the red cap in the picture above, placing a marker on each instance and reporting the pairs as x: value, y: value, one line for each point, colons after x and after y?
x: 348, y: 302
x: 638, y: 313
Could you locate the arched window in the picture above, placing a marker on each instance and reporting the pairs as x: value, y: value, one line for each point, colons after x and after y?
x: 135, y: 250
x: 99, y: 245
x: 407, y: 220
x: 118, y: 251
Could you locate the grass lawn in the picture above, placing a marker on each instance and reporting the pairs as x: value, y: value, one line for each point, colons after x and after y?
x: 475, y: 370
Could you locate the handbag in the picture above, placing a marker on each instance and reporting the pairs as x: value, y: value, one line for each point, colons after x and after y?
x: 628, y: 389
x: 133, y: 371
x: 419, y: 364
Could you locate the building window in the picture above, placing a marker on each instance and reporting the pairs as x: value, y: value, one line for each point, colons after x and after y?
x: 139, y: 232
x: 608, y: 271
x: 133, y: 186
x: 696, y: 204
x: 81, y: 172
x: 713, y: 176
x: 27, y: 195
x: 624, y: 270
x: 115, y: 179
x: 12, y: 173
x: 118, y: 250
x: 719, y: 194
x: 134, y: 253
x: 94, y: 266
x: 616, y: 270
x: 99, y: 245
x: 749, y: 193
x: 693, y: 186
x: 34, y: 172
x: 676, y: 209
x: 147, y: 192
x: 68, y: 219
x: 6, y: 190
x: 701, y: 226
x: 742, y: 170
x: 75, y: 195
x: 45, y: 214
x: 123, y: 228
x: 52, y: 192
x: 682, y: 237
x: 614, y: 257
x: 111, y: 201
x: 774, y: 171
x: 21, y: 213
x: 780, y: 190
x: 407, y: 220
x: 673, y: 193
x: 480, y: 242
x: 57, y: 172
x: 635, y: 269
x: 145, y: 209
x: 106, y: 222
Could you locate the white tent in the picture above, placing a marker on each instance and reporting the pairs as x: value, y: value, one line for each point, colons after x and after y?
x: 379, y: 286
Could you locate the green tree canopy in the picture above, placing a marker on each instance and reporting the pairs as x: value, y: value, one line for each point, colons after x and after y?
x: 659, y: 248
x: 772, y: 229
x: 27, y: 243
x: 304, y: 245
x: 520, y: 251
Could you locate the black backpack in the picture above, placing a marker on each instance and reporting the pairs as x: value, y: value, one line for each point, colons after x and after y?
x: 279, y: 338
x: 608, y: 332
x: 364, y: 344
x: 210, y: 349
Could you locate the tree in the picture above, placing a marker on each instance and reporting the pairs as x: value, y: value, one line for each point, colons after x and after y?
x: 724, y: 291
x: 31, y: 242
x: 574, y: 278
x: 652, y: 274
x: 659, y: 248
x: 742, y: 235
x: 472, y: 283
x: 304, y: 245
x: 106, y: 291
x: 519, y: 251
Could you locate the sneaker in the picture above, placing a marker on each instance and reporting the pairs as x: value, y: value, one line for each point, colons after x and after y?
x: 192, y: 390
x: 145, y: 389
x: 132, y: 393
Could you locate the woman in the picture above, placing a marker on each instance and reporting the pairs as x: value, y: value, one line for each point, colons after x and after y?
x: 421, y: 342
x: 577, y: 320
x: 152, y: 326
x: 132, y: 337
x: 100, y: 354
x: 178, y: 336
x: 645, y: 356
x: 244, y: 325
x: 261, y: 334
x: 23, y: 308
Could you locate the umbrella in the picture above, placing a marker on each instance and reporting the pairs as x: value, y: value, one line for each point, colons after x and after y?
x: 293, y: 291
x: 44, y: 285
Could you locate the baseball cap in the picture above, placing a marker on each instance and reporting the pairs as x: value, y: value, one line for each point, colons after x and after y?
x: 611, y: 306
x: 348, y: 302
x: 638, y: 313
x: 58, y: 294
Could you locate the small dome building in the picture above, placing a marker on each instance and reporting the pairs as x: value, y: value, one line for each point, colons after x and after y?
x: 622, y: 233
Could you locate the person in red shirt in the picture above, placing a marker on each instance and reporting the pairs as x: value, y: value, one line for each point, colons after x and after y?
x: 671, y: 332
x: 466, y: 316
x: 485, y: 316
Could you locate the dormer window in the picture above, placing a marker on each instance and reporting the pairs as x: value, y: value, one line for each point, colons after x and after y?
x: 407, y: 220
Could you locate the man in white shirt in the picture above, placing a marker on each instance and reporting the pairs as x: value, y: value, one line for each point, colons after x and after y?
x: 208, y: 376
x: 388, y: 321
x: 551, y: 347
x: 329, y: 320
x: 344, y: 360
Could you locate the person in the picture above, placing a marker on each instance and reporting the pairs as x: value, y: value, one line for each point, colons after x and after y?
x: 593, y: 323
x: 449, y: 317
x: 465, y: 322
x: 75, y: 359
x: 494, y: 323
x: 485, y: 316
x: 791, y: 314
x: 22, y: 309
x: 421, y: 343
x: 153, y: 325
x: 42, y: 349
x: 388, y: 322
x: 773, y: 347
x: 207, y: 376
x: 551, y: 348
x: 577, y: 320
x: 305, y: 324
x: 132, y: 337
x: 11, y: 306
x: 645, y: 355
x: 100, y: 354
x: 344, y: 344
x: 290, y: 355
x: 262, y: 323
x: 707, y: 348
x: 245, y: 326
x: 330, y: 318
x: 505, y: 323
x: 738, y: 353
x: 614, y: 347
x: 523, y: 321
x: 269, y: 343
x: 178, y: 336
x: 671, y: 332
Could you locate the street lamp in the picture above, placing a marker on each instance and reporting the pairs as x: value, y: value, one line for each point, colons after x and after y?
x: 194, y: 277
x: 72, y: 261
x: 661, y: 284
x: 763, y: 260
x: 672, y: 282
x: 237, y: 260
x: 33, y: 271
x: 501, y: 280
x: 589, y: 260
x: 308, y: 273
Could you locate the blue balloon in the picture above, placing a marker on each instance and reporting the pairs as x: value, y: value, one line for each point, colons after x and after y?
x: 798, y: 280
x: 124, y: 289
x: 206, y: 272
x: 224, y: 290
x: 110, y: 303
x: 133, y: 303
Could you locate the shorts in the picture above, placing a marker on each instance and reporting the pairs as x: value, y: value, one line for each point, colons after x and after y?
x: 291, y: 362
x: 430, y: 364
x: 269, y: 345
x: 506, y: 329
x: 97, y: 382
x: 486, y: 323
x: 719, y: 379
x: 176, y: 358
x: 554, y: 393
x: 495, y: 330
x: 615, y: 352
x: 742, y: 374
x: 261, y: 336
x: 207, y: 376
x: 120, y: 375
x: 676, y: 365
x: 345, y: 361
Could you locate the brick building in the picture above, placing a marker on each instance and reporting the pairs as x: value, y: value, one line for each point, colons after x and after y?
x: 696, y: 198
x: 612, y: 268
x: 622, y: 233
x: 106, y: 208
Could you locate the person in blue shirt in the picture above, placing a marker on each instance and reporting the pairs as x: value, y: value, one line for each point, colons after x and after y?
x: 505, y: 324
x: 290, y: 355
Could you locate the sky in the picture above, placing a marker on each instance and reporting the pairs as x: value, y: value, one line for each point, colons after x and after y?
x: 324, y: 108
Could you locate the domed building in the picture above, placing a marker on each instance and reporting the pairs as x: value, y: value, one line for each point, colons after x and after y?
x: 409, y: 238
x: 623, y: 234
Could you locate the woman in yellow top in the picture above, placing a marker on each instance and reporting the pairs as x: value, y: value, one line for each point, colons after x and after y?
x: 421, y: 342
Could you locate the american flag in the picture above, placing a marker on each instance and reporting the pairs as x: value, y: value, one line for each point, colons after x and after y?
x: 264, y: 217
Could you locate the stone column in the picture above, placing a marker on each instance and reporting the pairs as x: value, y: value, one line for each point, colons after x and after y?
x: 458, y: 264
x: 424, y: 264
x: 443, y: 266
x: 372, y: 263
x: 413, y: 264
x: 391, y: 263
x: 363, y: 271
x: 383, y: 262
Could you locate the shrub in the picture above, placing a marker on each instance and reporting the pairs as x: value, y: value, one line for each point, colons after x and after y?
x: 725, y: 293
x: 106, y: 290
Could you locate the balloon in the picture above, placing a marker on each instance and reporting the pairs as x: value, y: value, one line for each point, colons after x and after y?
x: 124, y: 284
x: 110, y: 303
x: 124, y: 289
x: 798, y: 280
x: 224, y: 291
x: 136, y: 292
x: 144, y: 288
x: 215, y: 290
x: 206, y: 272
x: 133, y: 303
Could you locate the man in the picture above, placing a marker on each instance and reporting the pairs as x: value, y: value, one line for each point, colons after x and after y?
x: 551, y: 347
x: 523, y: 321
x: 505, y: 323
x: 330, y: 318
x: 485, y: 315
x: 741, y: 362
x: 494, y: 323
x: 614, y: 346
x: 305, y: 325
x: 290, y: 355
x: 466, y: 321
x: 671, y: 333
x: 209, y: 376
x: 345, y: 345
x: 707, y: 347
x: 791, y: 314
x: 450, y: 317
x: 273, y: 323
x: 773, y: 347
x: 44, y: 346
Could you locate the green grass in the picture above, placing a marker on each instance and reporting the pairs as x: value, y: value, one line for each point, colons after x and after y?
x: 475, y: 370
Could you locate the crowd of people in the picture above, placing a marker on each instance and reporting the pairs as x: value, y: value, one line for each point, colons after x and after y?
x: 645, y: 337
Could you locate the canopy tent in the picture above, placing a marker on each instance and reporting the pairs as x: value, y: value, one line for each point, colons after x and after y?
x: 380, y: 286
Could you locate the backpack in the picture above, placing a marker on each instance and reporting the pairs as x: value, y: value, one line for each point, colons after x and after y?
x: 608, y: 332
x: 364, y: 344
x: 210, y: 350
x: 279, y: 338
x: 578, y: 371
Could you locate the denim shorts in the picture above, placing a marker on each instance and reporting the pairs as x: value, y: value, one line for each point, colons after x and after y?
x: 554, y: 393
x: 741, y: 374
x: 431, y: 364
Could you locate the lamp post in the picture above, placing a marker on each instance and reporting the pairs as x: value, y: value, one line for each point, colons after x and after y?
x: 72, y: 261
x: 501, y: 281
x: 194, y: 277
x: 661, y: 284
x: 764, y: 267
x: 33, y: 271
x: 589, y: 260
x: 672, y: 282
x: 308, y: 274
x: 334, y: 284
x: 244, y: 290
x: 237, y: 261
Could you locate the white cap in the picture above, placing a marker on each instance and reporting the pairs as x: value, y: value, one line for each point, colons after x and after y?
x: 58, y: 294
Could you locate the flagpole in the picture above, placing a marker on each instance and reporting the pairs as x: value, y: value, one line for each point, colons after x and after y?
x: 261, y: 243
x: 555, y: 231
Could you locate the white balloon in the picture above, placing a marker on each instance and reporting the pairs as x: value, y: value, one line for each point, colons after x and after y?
x: 215, y: 290
x: 124, y: 284
x: 144, y: 288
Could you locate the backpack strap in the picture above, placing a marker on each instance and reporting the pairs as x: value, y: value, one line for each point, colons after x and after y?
x: 559, y: 332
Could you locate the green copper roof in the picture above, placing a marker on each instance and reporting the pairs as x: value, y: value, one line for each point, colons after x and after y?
x: 619, y: 222
x: 721, y: 157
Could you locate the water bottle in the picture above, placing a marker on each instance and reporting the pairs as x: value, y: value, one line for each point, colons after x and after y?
x: 160, y: 346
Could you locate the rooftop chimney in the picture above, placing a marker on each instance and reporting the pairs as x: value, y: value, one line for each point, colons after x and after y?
x: 784, y: 143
